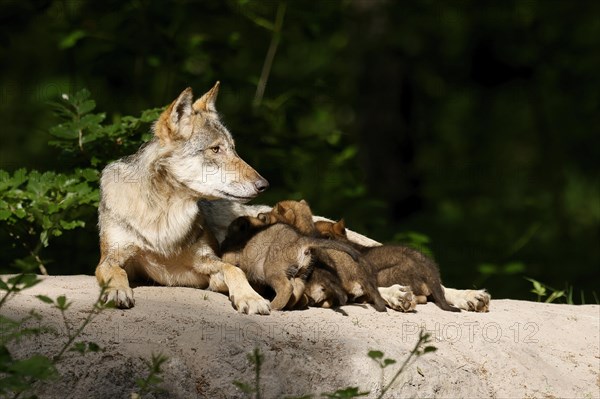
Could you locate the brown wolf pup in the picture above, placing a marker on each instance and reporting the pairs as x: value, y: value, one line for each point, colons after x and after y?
x: 356, y: 276
x: 396, y: 264
x: 275, y: 255
x: 324, y: 288
x: 151, y: 219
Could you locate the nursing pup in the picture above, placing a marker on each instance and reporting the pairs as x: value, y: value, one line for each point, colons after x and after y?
x: 396, y: 264
x: 355, y: 275
x: 275, y: 255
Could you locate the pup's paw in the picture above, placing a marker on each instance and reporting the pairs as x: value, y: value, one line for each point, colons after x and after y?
x: 399, y: 297
x: 251, y: 303
x: 121, y: 297
x: 472, y: 300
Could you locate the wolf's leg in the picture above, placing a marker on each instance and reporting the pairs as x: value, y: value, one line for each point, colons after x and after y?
x: 283, y: 289
x: 473, y: 300
x: 110, y: 273
x: 298, y: 298
x: 228, y: 278
x: 398, y: 297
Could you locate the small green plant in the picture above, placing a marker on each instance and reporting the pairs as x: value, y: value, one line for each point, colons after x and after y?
x: 17, y: 376
x: 256, y: 359
x: 416, y: 352
x: 151, y: 384
x: 541, y: 290
x: 350, y: 392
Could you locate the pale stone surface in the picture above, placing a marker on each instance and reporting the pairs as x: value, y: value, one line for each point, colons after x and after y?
x: 518, y: 349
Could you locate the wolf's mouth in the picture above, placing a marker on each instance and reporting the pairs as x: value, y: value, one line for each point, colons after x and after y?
x: 235, y: 197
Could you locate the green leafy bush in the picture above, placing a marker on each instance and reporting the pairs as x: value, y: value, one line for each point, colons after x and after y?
x: 18, y: 375
x: 36, y: 207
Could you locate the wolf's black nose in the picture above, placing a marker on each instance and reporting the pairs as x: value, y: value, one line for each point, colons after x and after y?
x: 261, y: 185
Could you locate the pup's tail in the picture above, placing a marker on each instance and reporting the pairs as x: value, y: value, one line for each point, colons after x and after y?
x: 337, y: 246
x: 437, y: 292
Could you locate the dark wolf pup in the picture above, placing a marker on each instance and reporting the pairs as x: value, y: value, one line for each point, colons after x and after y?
x: 151, y: 225
x: 396, y: 264
x: 355, y: 275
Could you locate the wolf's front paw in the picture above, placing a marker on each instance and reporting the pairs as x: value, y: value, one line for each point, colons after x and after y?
x: 399, y: 297
x: 473, y: 300
x: 251, y: 303
x: 121, y: 297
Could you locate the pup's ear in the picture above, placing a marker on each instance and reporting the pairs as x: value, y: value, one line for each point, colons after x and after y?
x: 290, y: 216
x: 264, y: 217
x: 175, y: 123
x: 206, y: 103
x: 279, y: 209
x: 339, y: 228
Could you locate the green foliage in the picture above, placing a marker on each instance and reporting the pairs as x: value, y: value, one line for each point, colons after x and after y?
x: 470, y: 125
x: 151, y: 383
x: 256, y: 359
x: 417, y: 351
x: 83, y: 135
x: 350, y: 392
x: 17, y: 376
x: 36, y: 207
x: 542, y: 290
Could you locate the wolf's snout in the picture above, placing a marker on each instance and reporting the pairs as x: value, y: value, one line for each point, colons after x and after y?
x: 261, y: 185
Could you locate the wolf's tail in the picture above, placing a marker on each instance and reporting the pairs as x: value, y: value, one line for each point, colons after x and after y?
x: 337, y: 246
x: 439, y: 298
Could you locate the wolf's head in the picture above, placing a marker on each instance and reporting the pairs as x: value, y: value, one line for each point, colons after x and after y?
x: 331, y: 230
x: 294, y: 213
x: 200, y: 152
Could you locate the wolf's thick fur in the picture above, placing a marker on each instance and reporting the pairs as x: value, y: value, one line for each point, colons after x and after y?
x: 151, y: 224
x: 276, y: 255
x: 396, y: 264
x: 160, y: 207
x: 356, y: 276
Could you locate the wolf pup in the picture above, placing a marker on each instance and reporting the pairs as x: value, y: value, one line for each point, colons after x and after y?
x: 150, y: 222
x: 355, y: 275
x: 275, y: 255
x: 396, y: 264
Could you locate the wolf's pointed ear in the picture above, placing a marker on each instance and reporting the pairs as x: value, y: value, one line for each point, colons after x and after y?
x: 339, y: 228
x: 279, y: 209
x: 175, y: 123
x: 206, y: 103
x: 290, y: 216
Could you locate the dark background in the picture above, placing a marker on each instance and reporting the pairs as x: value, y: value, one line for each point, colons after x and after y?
x: 471, y: 124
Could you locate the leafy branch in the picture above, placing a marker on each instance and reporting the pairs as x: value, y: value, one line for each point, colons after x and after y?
x: 153, y: 379
x: 417, y: 351
x: 256, y: 359
x: 18, y: 375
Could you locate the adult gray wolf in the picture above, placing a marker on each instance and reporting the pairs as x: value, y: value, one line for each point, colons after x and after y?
x: 162, y: 208
x: 151, y: 225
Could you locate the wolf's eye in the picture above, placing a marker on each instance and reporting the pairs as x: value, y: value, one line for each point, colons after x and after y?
x: 216, y: 149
